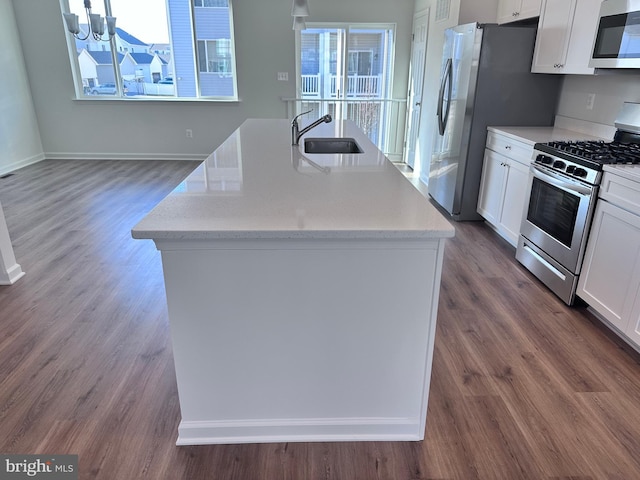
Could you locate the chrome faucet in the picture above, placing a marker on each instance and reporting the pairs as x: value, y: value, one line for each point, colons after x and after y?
x: 296, y: 133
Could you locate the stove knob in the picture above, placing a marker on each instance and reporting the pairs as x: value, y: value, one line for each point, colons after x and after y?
x: 559, y: 164
x: 571, y: 169
x: 580, y: 172
x: 544, y: 159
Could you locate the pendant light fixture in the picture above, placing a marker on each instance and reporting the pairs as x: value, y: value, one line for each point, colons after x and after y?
x: 95, y: 24
x: 299, y: 23
x: 299, y: 10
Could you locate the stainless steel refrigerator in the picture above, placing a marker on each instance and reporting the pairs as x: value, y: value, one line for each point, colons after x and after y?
x: 486, y: 81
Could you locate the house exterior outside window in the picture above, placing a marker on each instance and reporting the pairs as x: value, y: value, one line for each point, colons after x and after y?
x: 197, y: 60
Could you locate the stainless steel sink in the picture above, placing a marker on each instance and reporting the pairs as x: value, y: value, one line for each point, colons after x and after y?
x: 331, y: 145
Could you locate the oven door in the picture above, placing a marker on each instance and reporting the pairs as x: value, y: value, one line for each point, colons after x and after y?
x: 557, y: 216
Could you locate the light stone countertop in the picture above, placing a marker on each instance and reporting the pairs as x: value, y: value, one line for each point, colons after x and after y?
x: 630, y: 172
x: 533, y: 135
x: 257, y: 185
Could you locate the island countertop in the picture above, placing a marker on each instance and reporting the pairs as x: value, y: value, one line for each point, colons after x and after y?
x: 257, y: 185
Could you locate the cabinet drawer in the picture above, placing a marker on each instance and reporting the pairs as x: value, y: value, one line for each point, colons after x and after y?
x: 621, y: 191
x: 519, y: 151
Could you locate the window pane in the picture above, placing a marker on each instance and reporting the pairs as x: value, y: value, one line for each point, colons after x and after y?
x: 202, y: 56
x: 213, y: 28
x: 362, y: 93
x: 95, y: 62
x: 143, y: 38
x: 147, y: 63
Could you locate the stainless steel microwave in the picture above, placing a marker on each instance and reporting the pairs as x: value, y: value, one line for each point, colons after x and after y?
x: 617, y: 41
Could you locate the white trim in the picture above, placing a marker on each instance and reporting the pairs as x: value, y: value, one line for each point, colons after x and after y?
x: 10, y: 270
x: 12, y: 275
x: 22, y: 163
x: 299, y: 430
x: 124, y: 156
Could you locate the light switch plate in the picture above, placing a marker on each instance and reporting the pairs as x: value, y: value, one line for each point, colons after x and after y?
x: 283, y: 76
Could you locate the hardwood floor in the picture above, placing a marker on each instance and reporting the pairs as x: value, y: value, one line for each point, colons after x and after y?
x: 522, y: 386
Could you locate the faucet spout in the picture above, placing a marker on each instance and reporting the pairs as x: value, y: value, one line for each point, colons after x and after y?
x: 296, y: 133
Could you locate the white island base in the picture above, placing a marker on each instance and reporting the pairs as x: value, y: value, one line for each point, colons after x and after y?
x: 302, y: 340
x: 284, y: 276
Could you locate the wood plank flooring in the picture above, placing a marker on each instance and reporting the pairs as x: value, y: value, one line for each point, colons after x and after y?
x: 522, y: 387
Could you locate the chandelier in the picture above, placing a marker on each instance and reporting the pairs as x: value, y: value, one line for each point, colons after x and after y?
x: 94, y: 21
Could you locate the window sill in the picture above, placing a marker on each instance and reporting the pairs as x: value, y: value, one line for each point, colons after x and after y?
x: 108, y: 98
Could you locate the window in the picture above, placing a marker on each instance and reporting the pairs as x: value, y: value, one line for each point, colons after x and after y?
x: 214, y: 56
x: 165, y: 49
x: 346, y: 70
x: 211, y: 3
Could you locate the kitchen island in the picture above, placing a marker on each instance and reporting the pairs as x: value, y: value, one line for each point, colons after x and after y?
x: 302, y: 291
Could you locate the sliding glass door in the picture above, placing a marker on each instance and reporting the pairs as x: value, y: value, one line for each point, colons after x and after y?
x: 346, y: 71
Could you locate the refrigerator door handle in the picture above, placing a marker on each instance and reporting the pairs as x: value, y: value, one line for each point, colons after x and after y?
x: 447, y: 77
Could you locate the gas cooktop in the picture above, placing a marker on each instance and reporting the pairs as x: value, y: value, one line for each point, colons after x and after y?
x: 593, y: 153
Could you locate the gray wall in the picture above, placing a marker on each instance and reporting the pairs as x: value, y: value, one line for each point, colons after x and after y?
x: 265, y: 45
x: 610, y: 89
x: 19, y: 134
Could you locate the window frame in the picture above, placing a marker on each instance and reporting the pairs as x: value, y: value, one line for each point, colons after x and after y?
x: 81, y: 92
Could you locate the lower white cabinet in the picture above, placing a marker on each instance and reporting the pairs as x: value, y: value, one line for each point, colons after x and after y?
x: 610, y: 277
x: 503, y: 185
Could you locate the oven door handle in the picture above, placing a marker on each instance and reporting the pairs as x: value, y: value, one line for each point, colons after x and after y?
x: 559, y: 181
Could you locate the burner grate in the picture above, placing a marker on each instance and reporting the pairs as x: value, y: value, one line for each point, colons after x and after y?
x: 600, y: 151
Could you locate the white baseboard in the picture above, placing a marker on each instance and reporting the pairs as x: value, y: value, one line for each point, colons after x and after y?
x: 11, y: 167
x: 12, y: 275
x: 299, y: 430
x: 21, y: 163
x: 124, y: 156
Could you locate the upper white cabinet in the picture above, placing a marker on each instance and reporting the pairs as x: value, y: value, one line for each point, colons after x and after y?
x: 514, y: 10
x: 565, y: 36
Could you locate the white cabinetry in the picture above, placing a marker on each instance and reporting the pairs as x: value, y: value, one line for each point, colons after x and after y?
x: 503, y: 185
x: 610, y: 277
x: 565, y: 36
x: 514, y: 10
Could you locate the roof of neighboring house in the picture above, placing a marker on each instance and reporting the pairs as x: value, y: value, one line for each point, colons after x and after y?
x: 160, y: 46
x: 130, y: 39
x: 142, y: 58
x: 103, y: 58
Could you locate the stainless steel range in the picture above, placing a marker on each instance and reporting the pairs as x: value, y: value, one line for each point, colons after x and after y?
x: 563, y: 189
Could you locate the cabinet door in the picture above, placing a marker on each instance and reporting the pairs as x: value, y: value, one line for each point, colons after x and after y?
x: 554, y: 31
x: 515, y: 196
x: 610, y: 276
x: 585, y: 23
x: 508, y: 10
x: 633, y: 329
x: 492, y: 186
x: 514, y: 10
x: 530, y: 9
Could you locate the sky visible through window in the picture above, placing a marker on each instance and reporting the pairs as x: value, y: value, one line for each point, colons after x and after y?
x: 144, y: 19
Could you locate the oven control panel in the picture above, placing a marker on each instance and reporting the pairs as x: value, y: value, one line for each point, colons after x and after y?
x: 568, y: 168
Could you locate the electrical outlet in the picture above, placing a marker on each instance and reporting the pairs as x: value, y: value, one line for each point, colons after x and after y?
x: 283, y: 76
x: 591, y: 99
x: 189, y: 133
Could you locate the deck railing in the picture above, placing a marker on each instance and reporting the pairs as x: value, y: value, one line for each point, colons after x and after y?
x: 358, y: 86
